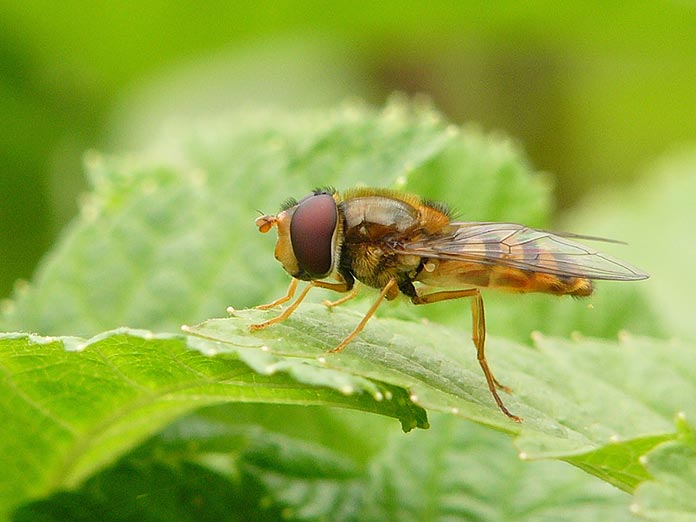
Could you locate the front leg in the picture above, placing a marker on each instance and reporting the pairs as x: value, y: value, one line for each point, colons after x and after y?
x: 288, y: 295
x: 336, y: 287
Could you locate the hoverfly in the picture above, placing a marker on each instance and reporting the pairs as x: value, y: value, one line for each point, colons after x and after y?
x: 394, y: 241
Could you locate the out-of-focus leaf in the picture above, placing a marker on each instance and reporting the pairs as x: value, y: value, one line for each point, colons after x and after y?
x: 656, y: 221
x: 464, y: 472
x: 171, y: 239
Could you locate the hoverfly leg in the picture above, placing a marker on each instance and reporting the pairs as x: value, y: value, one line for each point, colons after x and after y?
x: 290, y: 293
x: 385, y: 291
x: 289, y: 310
x: 336, y: 287
x: 478, y: 336
x: 347, y: 297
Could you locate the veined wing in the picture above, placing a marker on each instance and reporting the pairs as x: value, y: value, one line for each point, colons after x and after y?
x: 517, y: 246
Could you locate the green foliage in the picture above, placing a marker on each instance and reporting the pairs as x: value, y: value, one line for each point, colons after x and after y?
x: 657, y: 224
x: 670, y: 495
x: 567, y: 85
x: 169, y: 239
x: 454, y: 471
x: 160, y: 245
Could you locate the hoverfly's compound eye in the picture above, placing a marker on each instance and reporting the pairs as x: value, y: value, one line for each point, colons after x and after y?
x: 311, y: 232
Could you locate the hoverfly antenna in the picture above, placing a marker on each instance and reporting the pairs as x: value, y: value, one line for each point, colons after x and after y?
x: 266, y: 223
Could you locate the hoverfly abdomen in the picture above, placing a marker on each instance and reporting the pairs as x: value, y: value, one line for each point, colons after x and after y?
x: 524, y: 281
x: 573, y: 286
x: 450, y: 273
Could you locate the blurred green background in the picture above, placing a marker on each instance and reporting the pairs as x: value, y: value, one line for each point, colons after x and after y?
x: 594, y: 91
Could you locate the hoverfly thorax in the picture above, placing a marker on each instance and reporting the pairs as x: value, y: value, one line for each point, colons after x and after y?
x: 308, y: 235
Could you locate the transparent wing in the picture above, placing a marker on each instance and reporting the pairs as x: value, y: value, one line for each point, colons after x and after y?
x: 517, y: 246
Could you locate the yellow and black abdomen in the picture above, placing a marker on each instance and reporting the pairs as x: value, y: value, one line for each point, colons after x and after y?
x: 449, y: 273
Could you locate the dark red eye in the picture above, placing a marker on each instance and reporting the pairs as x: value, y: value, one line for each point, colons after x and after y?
x: 311, y: 232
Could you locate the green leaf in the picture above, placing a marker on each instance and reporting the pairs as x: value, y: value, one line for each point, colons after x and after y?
x: 268, y: 470
x: 235, y: 471
x: 578, y: 398
x: 169, y: 239
x: 496, y: 185
x: 671, y: 494
x: 150, y: 489
x: 464, y: 472
x: 68, y: 412
x: 656, y: 222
